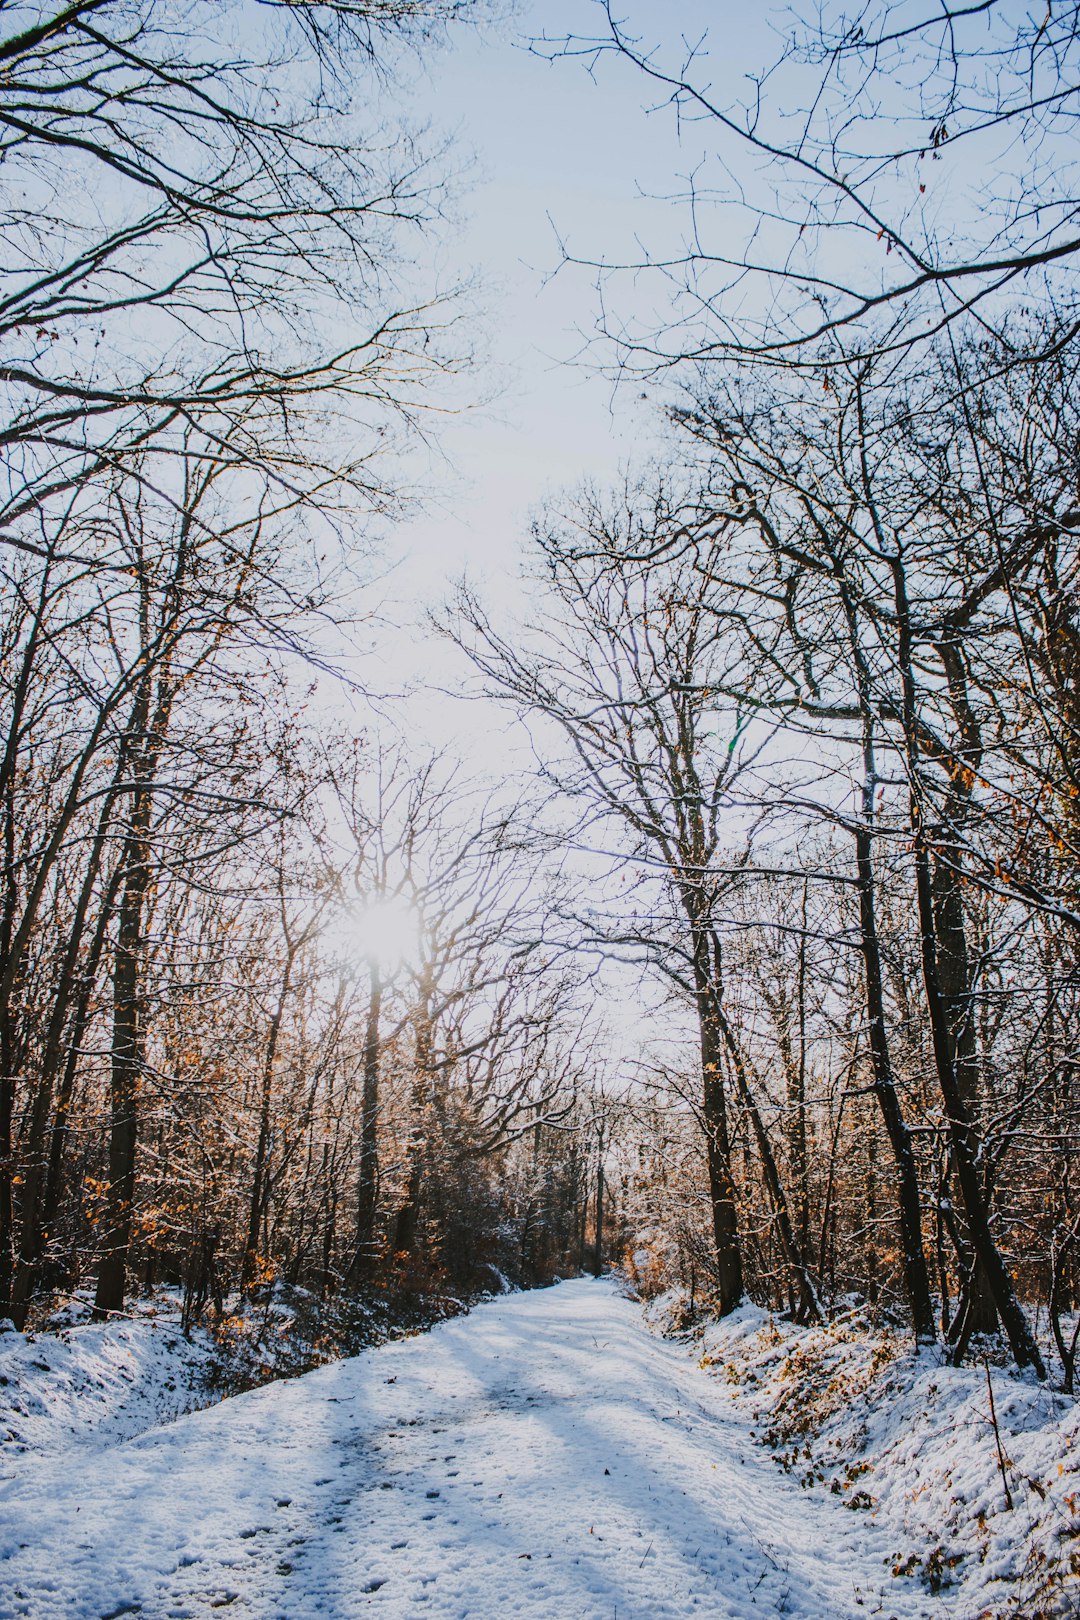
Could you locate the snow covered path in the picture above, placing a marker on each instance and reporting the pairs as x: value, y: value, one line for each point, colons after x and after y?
x: 544, y: 1457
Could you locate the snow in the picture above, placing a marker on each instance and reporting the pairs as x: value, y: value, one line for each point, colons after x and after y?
x: 851, y: 1409
x: 91, y: 1381
x: 546, y: 1456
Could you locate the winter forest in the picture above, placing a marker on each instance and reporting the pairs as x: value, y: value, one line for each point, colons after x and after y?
x: 434, y: 868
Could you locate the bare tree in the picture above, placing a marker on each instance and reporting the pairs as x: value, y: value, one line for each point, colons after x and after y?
x: 891, y: 171
x: 192, y: 221
x: 868, y: 516
x: 629, y: 663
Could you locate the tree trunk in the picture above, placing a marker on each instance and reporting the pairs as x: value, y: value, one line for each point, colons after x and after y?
x: 909, y: 1201
x: 408, y: 1216
x: 37, y: 1158
x: 797, y: 1133
x: 7, y: 1067
x: 962, y: 1133
x: 80, y: 1019
x: 10, y: 947
x: 260, y: 1176
x: 598, y: 1262
x: 368, y: 1176
x: 916, y: 1276
x: 126, y: 1066
x: 977, y: 1313
x: 809, y: 1308
x: 725, y: 1226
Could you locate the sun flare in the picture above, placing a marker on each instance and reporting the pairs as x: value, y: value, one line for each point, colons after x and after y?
x: 385, y: 932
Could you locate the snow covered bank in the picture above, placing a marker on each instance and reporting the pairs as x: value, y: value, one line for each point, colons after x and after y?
x: 93, y: 1383
x: 544, y: 1457
x: 75, y: 1382
x: 910, y: 1447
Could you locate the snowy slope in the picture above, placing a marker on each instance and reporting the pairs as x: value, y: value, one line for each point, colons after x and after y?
x: 850, y: 1407
x: 93, y: 1383
x: 544, y: 1457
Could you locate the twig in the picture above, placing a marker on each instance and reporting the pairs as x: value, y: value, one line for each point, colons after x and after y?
x: 997, y: 1437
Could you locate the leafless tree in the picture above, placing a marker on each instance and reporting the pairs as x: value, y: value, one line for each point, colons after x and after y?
x: 885, y: 173
x: 629, y: 663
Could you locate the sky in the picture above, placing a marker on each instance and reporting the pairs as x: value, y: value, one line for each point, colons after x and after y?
x: 554, y: 156
x: 558, y: 156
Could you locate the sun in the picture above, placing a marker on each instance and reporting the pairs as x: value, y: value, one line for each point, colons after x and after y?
x: 385, y: 932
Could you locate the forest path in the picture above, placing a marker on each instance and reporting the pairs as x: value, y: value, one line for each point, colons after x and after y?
x: 544, y: 1457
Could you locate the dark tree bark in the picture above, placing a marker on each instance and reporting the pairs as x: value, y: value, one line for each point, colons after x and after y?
x: 127, y: 1060
x: 909, y: 1200
x: 34, y: 1212
x: 407, y: 1222
x: 962, y: 1134
x: 808, y: 1308
x: 260, y: 1173
x: 798, y: 1149
x: 722, y: 1195
x: 598, y: 1219
x: 367, y: 1188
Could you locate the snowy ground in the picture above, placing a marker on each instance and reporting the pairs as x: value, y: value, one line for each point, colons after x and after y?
x: 545, y: 1457
x: 74, y: 1382
x: 86, y: 1380
x: 911, y: 1444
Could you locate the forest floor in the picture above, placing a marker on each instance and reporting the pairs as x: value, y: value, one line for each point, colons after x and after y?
x: 547, y: 1456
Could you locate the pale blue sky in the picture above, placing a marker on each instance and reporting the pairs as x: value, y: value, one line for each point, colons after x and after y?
x: 557, y: 153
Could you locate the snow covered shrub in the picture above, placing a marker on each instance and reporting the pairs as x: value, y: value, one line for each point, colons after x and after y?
x: 651, y: 1264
